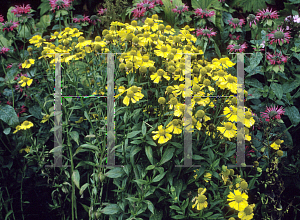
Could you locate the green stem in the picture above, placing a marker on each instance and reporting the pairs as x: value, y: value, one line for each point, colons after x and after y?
x: 73, y: 199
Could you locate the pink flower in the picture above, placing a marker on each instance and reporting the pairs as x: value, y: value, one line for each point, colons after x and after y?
x: 9, y: 66
x: 102, y: 11
x: 9, y: 26
x: 76, y: 20
x: 235, y: 22
x: 9, y: 103
x: 93, y: 20
x: 296, y: 18
x: 1, y: 18
x: 138, y: 12
x: 60, y: 4
x: 4, y: 50
x: 276, y: 58
x: 159, y: 2
x: 252, y: 19
x: 147, y: 4
x: 237, y: 47
x: 199, y: 12
x: 180, y: 9
x: 279, y: 36
x: 270, y: 112
x: 234, y: 37
x: 19, y: 10
x: 268, y: 14
x: 86, y: 18
x: 206, y: 32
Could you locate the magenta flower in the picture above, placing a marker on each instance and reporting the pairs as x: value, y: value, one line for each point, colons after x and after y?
x: 200, y: 12
x: 9, y: 66
x: 4, y: 50
x: 102, y: 11
x: 206, y: 32
x: 76, y: 20
x: 235, y: 22
x: 85, y: 18
x: 279, y: 36
x: 159, y: 2
x: 60, y: 4
x: 268, y: 14
x: 237, y: 47
x: 9, y: 26
x: 138, y: 12
x: 180, y: 9
x: 19, y: 10
x: 1, y: 18
x: 234, y: 37
x: 93, y: 20
x: 147, y: 4
x: 276, y: 58
x: 270, y: 112
x: 252, y: 19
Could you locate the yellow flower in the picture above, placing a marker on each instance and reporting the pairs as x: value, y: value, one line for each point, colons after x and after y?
x: 225, y: 62
x: 201, y: 202
x: 133, y: 94
x: 25, y: 80
x: 247, y: 213
x: 231, y: 113
x: 45, y: 118
x: 18, y: 128
x: 207, y: 177
x: 37, y: 40
x: 158, y: 75
x: 276, y: 144
x: 28, y: 63
x: 238, y: 201
x: 163, y: 50
x: 27, y: 149
x: 175, y: 126
x: 163, y: 135
x: 26, y: 125
x: 229, y: 130
x: 249, y: 120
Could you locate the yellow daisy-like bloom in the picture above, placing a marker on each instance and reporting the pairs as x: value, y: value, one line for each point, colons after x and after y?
x: 163, y: 50
x: 133, y: 96
x: 276, y: 144
x: 24, y: 80
x: 225, y: 62
x: 186, y: 35
x: 207, y: 177
x: 179, y: 90
x: 247, y: 213
x: 27, y: 149
x: 231, y: 113
x: 230, y: 83
x: 18, y: 128
x: 26, y: 125
x: 158, y: 75
x: 37, y: 40
x: 201, y: 202
x: 163, y: 135
x: 238, y: 201
x: 175, y: 126
x: 27, y: 64
x: 247, y: 136
x: 45, y: 118
x: 229, y: 130
x: 169, y: 30
x: 249, y: 120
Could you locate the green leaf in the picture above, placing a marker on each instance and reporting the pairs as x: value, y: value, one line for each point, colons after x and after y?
x: 205, y: 4
x: 116, y: 172
x: 211, y: 154
x: 134, y: 151
x: 133, y: 134
x: 150, y: 205
x: 254, y: 83
x: 175, y: 207
x: 149, y: 154
x: 23, y: 31
x: 293, y: 114
x: 36, y: 111
x: 197, y: 157
x: 159, y: 177
x: 10, y: 15
x: 83, y: 187
x: 75, y: 136
x: 144, y: 129
x: 249, y: 6
x: 90, y: 147
x: 8, y: 115
x: 168, y: 154
x: 150, y: 167
x: 277, y: 89
x: 178, y: 217
x: 45, y: 7
x: 45, y: 21
x: 111, y: 209
x: 255, y: 59
x: 217, y: 50
x: 5, y: 42
x: 6, y: 131
x: 8, y: 214
x: 133, y: 199
x: 76, y: 178
x: 290, y: 86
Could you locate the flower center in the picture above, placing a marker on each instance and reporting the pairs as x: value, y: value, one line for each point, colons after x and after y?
x: 272, y: 113
x: 228, y: 126
x: 251, y: 17
x: 181, y: 108
x: 173, y: 101
x: 200, y: 114
x: 175, y: 122
x: 188, y: 36
x: 130, y: 93
x: 230, y: 79
x: 235, y: 20
x: 164, y: 49
x: 278, y: 141
x: 201, y: 198
x: 145, y: 58
x: 59, y: 3
x: 221, y: 73
x: 206, y: 82
x: 146, y: 35
x: 238, y: 198
x: 180, y: 8
x: 181, y: 87
x: 267, y: 13
x: 134, y: 89
x: 161, y: 132
x: 237, y: 47
x: 206, y: 31
x: 279, y: 35
x: 168, y: 27
x: 248, y: 115
x: 248, y: 210
x: 160, y: 72
x: 146, y: 5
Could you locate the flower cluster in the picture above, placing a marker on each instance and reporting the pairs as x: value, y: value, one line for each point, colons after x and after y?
x: 276, y: 58
x: 279, y: 36
x: 267, y: 14
x: 10, y: 26
x: 144, y: 6
x: 93, y: 20
x: 102, y: 11
x: 237, y: 47
x: 20, y: 10
x: 4, y: 50
x: 252, y: 19
x: 60, y: 4
x: 206, y: 32
x: 180, y: 9
x: 235, y: 22
x: 204, y: 13
x: 273, y: 113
